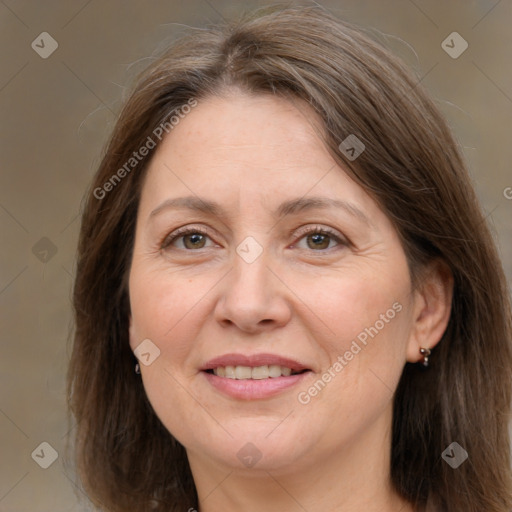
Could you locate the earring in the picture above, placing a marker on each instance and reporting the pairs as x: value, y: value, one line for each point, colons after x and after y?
x: 425, y: 352
x: 137, y: 369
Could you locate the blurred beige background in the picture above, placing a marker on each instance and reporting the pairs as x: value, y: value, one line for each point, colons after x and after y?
x: 55, y: 115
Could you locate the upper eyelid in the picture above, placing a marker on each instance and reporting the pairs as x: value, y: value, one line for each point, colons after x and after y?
x: 313, y: 228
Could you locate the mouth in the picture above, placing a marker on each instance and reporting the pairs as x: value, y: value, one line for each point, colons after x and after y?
x: 253, y: 377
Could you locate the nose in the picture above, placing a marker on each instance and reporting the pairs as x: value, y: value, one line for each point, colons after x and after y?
x: 253, y: 298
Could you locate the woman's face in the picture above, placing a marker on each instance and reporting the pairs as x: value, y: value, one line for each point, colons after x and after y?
x: 256, y: 256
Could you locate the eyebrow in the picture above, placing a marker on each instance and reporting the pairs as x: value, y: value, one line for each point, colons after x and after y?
x: 290, y: 207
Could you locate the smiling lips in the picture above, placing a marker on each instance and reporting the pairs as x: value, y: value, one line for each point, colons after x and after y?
x: 253, y: 377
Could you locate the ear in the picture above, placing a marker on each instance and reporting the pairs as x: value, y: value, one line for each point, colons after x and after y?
x: 432, y: 308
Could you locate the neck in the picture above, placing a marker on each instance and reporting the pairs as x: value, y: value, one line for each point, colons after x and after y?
x: 350, y: 479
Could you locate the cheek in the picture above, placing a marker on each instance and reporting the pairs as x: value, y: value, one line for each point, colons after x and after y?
x: 360, y: 306
x: 370, y: 319
x: 161, y: 302
x: 367, y: 317
x: 166, y: 309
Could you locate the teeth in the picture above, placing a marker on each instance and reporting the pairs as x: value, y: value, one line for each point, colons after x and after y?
x: 286, y: 371
x: 274, y: 370
x: 243, y: 372
x: 257, y: 373
x: 230, y: 372
x: 260, y: 372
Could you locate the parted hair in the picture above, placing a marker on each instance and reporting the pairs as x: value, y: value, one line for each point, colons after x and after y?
x: 411, y: 166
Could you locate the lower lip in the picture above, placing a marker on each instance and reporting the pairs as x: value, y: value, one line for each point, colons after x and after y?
x: 254, y: 389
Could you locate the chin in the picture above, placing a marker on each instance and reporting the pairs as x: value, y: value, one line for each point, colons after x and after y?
x: 256, y: 448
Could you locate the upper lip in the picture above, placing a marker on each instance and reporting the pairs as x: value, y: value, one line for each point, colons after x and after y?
x: 252, y: 361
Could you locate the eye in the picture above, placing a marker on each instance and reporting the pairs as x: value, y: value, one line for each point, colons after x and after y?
x: 319, y: 238
x: 192, y: 238
x: 188, y: 238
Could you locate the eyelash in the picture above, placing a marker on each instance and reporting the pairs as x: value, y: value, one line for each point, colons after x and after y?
x: 172, y: 237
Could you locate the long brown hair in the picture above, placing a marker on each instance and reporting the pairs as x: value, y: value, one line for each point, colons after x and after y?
x: 411, y: 166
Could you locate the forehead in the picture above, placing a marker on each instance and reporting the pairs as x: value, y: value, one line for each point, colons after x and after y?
x: 240, y: 125
x: 248, y: 150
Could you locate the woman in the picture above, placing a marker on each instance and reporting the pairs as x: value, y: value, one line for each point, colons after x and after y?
x: 283, y: 232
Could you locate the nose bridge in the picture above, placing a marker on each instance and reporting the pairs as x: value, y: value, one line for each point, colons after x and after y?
x: 252, y: 296
x: 250, y: 279
x: 250, y: 272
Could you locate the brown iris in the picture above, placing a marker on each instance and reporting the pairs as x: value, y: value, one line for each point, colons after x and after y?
x: 320, y: 241
x: 197, y: 240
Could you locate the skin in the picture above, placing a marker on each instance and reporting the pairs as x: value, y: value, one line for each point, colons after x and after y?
x: 202, y: 300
